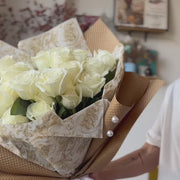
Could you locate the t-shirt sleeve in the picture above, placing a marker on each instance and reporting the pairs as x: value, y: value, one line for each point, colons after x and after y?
x: 153, y: 135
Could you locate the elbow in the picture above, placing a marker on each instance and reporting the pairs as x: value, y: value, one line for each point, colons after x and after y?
x: 150, y: 157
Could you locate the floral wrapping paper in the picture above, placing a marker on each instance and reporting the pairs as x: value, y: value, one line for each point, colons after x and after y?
x: 67, y: 34
x: 7, y: 49
x: 56, y: 144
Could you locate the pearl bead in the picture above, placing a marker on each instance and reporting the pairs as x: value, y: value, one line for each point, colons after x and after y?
x: 115, y: 119
x: 110, y: 133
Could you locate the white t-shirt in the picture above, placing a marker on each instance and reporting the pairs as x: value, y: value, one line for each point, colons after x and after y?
x: 165, y: 134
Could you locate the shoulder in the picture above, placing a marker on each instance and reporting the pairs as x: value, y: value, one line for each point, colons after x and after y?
x: 174, y: 88
x: 175, y: 84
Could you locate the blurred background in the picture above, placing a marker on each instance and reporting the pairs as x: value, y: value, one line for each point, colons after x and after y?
x: 153, y: 54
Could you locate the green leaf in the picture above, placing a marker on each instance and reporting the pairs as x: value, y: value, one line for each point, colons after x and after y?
x: 20, y: 107
x: 58, y: 99
x: 110, y: 76
x: 62, y: 112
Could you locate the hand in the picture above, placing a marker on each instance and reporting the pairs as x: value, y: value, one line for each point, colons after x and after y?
x: 99, y: 176
x: 94, y: 176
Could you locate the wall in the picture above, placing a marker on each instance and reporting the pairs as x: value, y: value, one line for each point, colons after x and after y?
x: 23, y: 18
x: 168, y: 46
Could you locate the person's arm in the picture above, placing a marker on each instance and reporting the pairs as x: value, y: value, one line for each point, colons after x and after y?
x: 136, y: 163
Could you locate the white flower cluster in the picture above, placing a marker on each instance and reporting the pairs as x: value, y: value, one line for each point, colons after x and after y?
x: 71, y: 74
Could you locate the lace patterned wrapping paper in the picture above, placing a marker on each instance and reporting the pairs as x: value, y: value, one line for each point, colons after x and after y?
x: 67, y: 34
x: 18, y: 54
x: 56, y: 144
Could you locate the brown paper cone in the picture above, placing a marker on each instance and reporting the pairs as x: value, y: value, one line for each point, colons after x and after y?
x: 134, y: 91
x: 123, y: 129
x: 16, y: 177
x: 127, y: 105
x: 100, y: 37
x: 10, y: 163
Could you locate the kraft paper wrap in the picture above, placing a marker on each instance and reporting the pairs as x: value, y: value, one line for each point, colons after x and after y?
x: 131, y: 97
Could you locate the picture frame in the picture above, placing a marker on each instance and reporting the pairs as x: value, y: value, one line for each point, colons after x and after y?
x: 141, y: 15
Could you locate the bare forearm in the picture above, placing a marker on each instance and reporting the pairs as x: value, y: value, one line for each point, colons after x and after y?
x: 128, y: 166
x: 133, y: 164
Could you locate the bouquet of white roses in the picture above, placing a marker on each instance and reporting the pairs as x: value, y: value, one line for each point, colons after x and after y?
x: 61, y: 80
x: 54, y: 96
x: 60, y: 104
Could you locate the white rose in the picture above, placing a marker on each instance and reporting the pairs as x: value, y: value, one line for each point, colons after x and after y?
x: 42, y: 97
x: 37, y: 109
x: 60, y: 55
x: 52, y: 81
x: 107, y: 58
x: 5, y: 63
x: 7, y: 118
x: 7, y: 97
x: 72, y: 97
x: 24, y: 84
x: 80, y: 55
x: 101, y: 63
x: 42, y: 60
x: 74, y: 69
x: 91, y: 84
x: 14, y: 70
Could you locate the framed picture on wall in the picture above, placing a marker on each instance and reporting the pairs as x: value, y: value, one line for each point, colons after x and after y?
x: 141, y: 15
